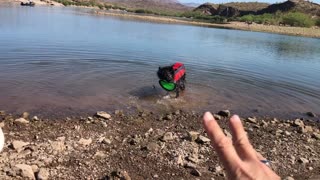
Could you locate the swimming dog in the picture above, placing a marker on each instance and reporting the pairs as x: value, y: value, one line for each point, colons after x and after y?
x: 172, y: 78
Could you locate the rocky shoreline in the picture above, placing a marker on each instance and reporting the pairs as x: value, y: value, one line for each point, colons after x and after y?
x: 146, y: 145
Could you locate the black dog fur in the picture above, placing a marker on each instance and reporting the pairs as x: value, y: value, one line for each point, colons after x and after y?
x: 167, y: 73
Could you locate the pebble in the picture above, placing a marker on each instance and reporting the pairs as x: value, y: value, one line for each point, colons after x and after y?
x: 103, y: 114
x: 25, y: 171
x: 217, y: 117
x: 153, y: 147
x: 316, y: 135
x: 298, y: 122
x: 288, y: 178
x: 224, y: 113
x: 193, y: 135
x: 21, y: 120
x: 308, y: 129
x: 252, y: 120
x: 202, y: 140
x: 195, y: 172
x: 168, y: 136
x: 58, y: 146
x: 25, y: 115
x: 43, y: 174
x: 303, y: 160
x: 35, y: 118
x: 85, y: 142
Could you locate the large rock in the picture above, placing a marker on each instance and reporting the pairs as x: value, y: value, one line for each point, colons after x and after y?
x: 21, y: 120
x: 103, y: 114
x: 25, y: 171
x: 18, y: 145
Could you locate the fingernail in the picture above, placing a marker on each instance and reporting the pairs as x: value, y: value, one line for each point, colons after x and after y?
x: 235, y: 118
x: 208, y: 116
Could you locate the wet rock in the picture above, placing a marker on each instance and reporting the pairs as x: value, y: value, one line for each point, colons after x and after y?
x: 224, y: 113
x: 25, y: 171
x: 202, y: 140
x: 168, y: 136
x: 298, y: 123
x: 18, y: 145
x: 193, y: 135
x: 21, y: 120
x: 311, y: 114
x: 43, y: 174
x: 316, y: 135
x: 103, y: 114
x: 252, y: 120
x: 85, y: 142
x: 58, y: 146
x: 303, y: 160
x: 195, y: 172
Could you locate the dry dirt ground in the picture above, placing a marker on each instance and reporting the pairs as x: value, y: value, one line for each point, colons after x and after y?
x: 145, y: 145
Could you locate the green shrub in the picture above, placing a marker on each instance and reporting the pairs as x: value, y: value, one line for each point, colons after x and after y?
x: 317, y: 23
x: 247, y: 18
x: 297, y: 19
x: 143, y: 11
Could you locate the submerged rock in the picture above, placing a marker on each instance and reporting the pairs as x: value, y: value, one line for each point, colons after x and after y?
x: 311, y: 114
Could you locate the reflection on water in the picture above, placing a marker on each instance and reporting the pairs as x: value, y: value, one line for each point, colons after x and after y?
x: 61, y: 59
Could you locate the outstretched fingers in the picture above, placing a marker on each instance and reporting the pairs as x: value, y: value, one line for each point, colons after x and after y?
x: 240, y: 139
x: 222, y: 144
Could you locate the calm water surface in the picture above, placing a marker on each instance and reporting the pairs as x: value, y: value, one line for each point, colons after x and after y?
x: 64, y: 60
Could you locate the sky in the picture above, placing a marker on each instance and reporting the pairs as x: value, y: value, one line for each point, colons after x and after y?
x: 224, y: 1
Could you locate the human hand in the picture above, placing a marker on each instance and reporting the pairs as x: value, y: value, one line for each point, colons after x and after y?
x: 239, y: 158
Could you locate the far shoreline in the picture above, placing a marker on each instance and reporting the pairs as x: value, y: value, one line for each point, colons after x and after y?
x: 313, y: 32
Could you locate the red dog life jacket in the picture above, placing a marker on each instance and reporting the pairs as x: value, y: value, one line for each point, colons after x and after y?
x: 179, y: 71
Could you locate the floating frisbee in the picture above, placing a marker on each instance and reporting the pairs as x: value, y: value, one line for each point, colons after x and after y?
x: 168, y: 86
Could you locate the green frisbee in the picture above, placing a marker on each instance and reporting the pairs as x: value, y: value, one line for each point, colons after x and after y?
x: 168, y: 86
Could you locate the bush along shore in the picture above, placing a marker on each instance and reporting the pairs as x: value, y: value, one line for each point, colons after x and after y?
x: 145, y: 145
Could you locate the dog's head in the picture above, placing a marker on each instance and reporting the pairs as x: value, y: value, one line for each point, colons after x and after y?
x: 166, y: 73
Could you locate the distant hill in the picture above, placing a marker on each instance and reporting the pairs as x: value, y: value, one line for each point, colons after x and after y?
x: 191, y: 4
x: 244, y: 8
x: 293, y: 5
x: 166, y: 5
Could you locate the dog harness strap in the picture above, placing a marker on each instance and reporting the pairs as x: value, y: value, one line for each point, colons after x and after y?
x: 179, y: 71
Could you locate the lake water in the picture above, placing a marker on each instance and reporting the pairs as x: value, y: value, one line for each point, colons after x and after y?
x: 63, y: 60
